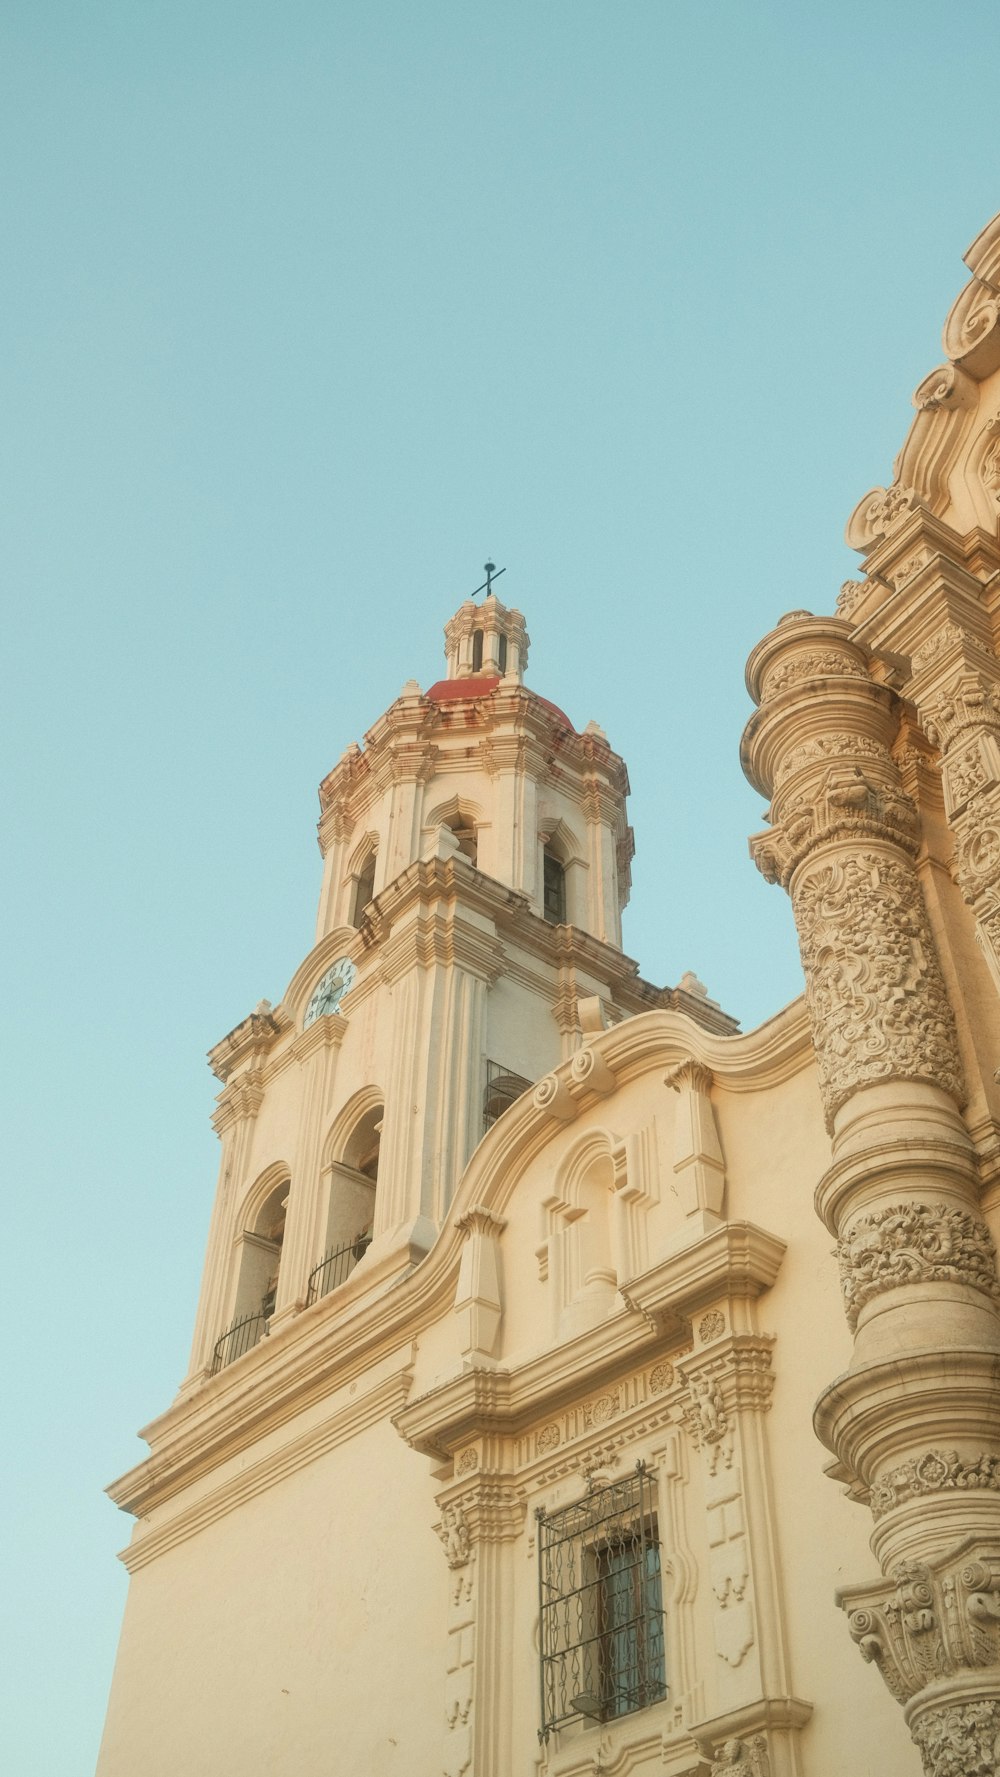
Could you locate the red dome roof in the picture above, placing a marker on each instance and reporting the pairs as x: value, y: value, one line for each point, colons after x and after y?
x: 450, y: 690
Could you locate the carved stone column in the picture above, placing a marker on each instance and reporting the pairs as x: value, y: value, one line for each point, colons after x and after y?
x: 917, y: 1262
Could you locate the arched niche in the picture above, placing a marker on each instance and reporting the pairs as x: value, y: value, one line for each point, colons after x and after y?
x: 561, y: 874
x: 350, y: 1165
x: 462, y: 818
x: 583, y: 1266
x: 259, y: 1244
x: 361, y: 870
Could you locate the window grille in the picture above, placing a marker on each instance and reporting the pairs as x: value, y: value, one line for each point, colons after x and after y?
x: 601, y: 1605
x: 502, y: 1088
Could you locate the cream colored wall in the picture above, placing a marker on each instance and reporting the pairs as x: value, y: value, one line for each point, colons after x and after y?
x: 301, y: 1633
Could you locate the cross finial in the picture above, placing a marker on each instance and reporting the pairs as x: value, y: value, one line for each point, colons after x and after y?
x: 492, y: 573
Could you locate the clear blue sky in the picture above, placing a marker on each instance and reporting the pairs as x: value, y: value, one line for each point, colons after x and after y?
x: 308, y: 309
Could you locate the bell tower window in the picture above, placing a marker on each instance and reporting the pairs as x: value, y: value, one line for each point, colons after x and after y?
x: 553, y: 889
x: 364, y: 889
x: 477, y: 651
x: 502, y: 654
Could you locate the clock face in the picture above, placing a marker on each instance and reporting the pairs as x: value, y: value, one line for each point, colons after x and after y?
x: 338, y: 981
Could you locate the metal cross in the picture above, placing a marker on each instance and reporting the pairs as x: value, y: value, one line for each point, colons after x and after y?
x: 492, y: 573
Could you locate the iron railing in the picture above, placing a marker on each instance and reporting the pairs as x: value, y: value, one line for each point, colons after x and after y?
x: 336, y: 1267
x: 601, y: 1605
x: 242, y: 1336
x: 501, y: 1089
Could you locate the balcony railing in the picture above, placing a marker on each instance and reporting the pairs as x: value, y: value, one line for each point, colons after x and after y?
x: 336, y: 1267
x: 242, y: 1336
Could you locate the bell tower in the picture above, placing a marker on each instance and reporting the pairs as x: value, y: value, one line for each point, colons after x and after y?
x: 476, y: 856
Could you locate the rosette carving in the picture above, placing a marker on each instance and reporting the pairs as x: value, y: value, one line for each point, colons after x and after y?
x: 914, y: 1243
x: 876, y: 999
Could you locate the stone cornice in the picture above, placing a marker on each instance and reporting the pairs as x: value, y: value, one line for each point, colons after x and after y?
x: 248, y: 1041
x: 347, y: 1418
x: 481, y: 1401
x: 736, y: 1260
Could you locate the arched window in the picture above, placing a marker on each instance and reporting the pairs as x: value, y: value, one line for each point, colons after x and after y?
x: 477, y: 651
x: 364, y: 888
x: 351, y: 1212
x: 259, y: 1264
x: 502, y: 654
x: 553, y: 888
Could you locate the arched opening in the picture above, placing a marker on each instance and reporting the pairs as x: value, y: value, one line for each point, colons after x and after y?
x: 364, y: 888
x: 353, y: 1181
x: 465, y: 832
x: 553, y: 887
x: 477, y: 651
x: 260, y: 1245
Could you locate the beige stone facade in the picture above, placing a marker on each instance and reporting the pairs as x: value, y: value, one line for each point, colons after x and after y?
x: 496, y: 1452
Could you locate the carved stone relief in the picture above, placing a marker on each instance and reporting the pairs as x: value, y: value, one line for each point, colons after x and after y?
x: 877, y: 1002
x: 818, y: 663
x: 938, y: 1471
x: 927, y: 1623
x: 914, y: 1243
x: 454, y: 1534
x: 742, y: 1758
x: 962, y: 1740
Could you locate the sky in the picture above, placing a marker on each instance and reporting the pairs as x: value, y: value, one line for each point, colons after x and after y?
x: 309, y: 309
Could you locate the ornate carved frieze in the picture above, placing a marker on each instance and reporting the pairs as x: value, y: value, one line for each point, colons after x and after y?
x: 817, y: 663
x: 849, y: 803
x: 960, y: 1740
x: 937, y: 1471
x: 832, y: 746
x: 914, y: 1243
x: 927, y: 1622
x: 874, y: 989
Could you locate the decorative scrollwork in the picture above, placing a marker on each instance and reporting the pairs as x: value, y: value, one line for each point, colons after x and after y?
x: 914, y: 1243
x: 874, y: 989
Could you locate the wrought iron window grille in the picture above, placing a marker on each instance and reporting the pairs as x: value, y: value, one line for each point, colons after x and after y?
x: 336, y: 1267
x: 601, y: 1605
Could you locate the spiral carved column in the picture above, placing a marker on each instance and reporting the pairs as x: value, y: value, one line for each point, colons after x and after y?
x: 913, y: 1423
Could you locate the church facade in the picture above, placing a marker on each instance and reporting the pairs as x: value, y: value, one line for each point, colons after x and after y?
x: 579, y: 1385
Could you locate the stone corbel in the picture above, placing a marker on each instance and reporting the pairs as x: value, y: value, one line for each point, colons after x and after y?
x: 478, y: 1298
x: 553, y: 1096
x: 589, y: 1072
x: 760, y: 1739
x: 699, y: 1166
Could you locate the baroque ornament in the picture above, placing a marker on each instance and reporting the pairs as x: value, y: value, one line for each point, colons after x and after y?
x: 938, y: 1471
x: 962, y: 1740
x: 876, y: 998
x: 742, y: 1758
x: 914, y: 1243
x: 821, y: 663
x: 711, y: 1325
x: 923, y: 1624
x: 454, y: 1534
x: 837, y: 746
